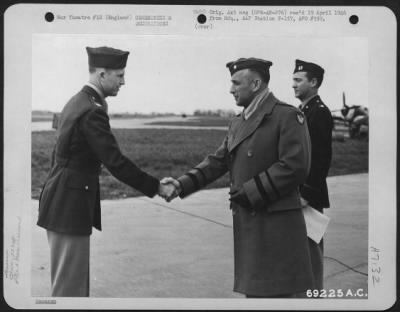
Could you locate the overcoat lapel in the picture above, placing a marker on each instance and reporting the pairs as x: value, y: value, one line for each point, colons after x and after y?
x: 241, y: 129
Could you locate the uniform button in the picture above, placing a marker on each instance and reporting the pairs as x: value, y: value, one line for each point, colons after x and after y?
x: 86, y: 187
x: 249, y: 153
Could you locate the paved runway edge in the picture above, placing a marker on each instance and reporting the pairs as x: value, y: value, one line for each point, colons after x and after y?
x: 183, y: 249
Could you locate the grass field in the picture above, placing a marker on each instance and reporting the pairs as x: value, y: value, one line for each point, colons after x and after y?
x: 171, y: 152
x: 197, y: 122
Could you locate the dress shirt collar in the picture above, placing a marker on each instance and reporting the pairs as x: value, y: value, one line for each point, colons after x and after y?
x: 304, y: 103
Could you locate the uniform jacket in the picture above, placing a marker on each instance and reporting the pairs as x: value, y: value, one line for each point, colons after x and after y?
x: 320, y: 125
x: 269, y: 156
x: 70, y: 199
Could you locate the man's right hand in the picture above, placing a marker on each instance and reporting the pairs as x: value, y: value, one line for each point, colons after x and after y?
x: 169, y: 188
x: 239, y: 197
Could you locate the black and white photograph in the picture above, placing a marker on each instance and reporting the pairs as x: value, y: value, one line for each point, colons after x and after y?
x: 207, y: 157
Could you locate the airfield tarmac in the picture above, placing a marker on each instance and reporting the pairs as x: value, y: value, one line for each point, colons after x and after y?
x: 184, y: 249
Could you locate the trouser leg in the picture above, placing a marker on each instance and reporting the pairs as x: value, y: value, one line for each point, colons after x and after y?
x: 317, y: 263
x: 69, y: 264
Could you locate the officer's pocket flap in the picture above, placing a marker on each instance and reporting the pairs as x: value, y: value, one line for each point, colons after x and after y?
x: 82, y: 182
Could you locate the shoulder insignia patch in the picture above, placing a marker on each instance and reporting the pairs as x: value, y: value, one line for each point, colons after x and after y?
x: 300, y: 118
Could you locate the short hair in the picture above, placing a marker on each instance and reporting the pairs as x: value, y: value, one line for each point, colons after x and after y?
x: 93, y: 69
x: 264, y: 75
x: 310, y: 75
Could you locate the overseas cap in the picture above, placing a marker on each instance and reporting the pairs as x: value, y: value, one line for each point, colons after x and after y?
x: 308, y: 67
x: 259, y: 65
x: 106, y: 57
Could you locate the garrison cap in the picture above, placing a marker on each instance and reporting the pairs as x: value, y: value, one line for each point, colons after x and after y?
x: 106, y: 57
x: 259, y: 65
x: 301, y: 66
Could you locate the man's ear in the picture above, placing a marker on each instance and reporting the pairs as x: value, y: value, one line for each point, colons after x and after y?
x: 314, y: 82
x: 257, y: 84
x: 101, y: 72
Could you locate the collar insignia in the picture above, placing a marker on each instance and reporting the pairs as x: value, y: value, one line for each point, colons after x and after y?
x: 300, y: 118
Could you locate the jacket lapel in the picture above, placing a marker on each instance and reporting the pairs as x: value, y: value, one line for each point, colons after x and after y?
x: 241, y: 129
x: 310, y: 105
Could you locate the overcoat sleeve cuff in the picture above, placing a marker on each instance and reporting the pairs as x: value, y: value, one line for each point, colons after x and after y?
x: 188, y: 185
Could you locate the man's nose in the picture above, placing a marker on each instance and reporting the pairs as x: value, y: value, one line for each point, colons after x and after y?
x: 232, y: 89
x: 122, y: 81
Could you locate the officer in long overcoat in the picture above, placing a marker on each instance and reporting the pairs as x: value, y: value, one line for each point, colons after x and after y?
x: 69, y: 204
x: 307, y: 78
x: 267, y: 154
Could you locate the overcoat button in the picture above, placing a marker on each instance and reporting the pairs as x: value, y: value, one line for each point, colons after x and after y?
x: 86, y: 187
x: 249, y: 153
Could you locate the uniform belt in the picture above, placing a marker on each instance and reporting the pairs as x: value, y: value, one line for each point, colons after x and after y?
x: 77, y: 165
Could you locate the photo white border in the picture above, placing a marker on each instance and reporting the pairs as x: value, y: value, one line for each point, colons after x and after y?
x: 24, y: 20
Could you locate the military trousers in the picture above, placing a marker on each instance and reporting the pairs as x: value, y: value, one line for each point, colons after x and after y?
x: 317, y: 263
x: 69, y: 264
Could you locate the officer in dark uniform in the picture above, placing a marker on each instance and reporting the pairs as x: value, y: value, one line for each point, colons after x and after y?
x: 307, y: 79
x: 267, y: 153
x: 69, y: 205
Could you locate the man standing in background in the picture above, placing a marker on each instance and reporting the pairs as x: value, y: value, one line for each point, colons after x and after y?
x: 69, y: 204
x: 307, y: 79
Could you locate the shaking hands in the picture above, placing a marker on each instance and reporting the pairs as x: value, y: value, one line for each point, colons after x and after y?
x: 169, y: 188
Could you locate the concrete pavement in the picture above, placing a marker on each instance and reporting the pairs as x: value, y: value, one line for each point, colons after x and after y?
x: 152, y: 249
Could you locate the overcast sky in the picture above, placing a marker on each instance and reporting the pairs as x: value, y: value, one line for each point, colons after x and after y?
x: 180, y: 74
